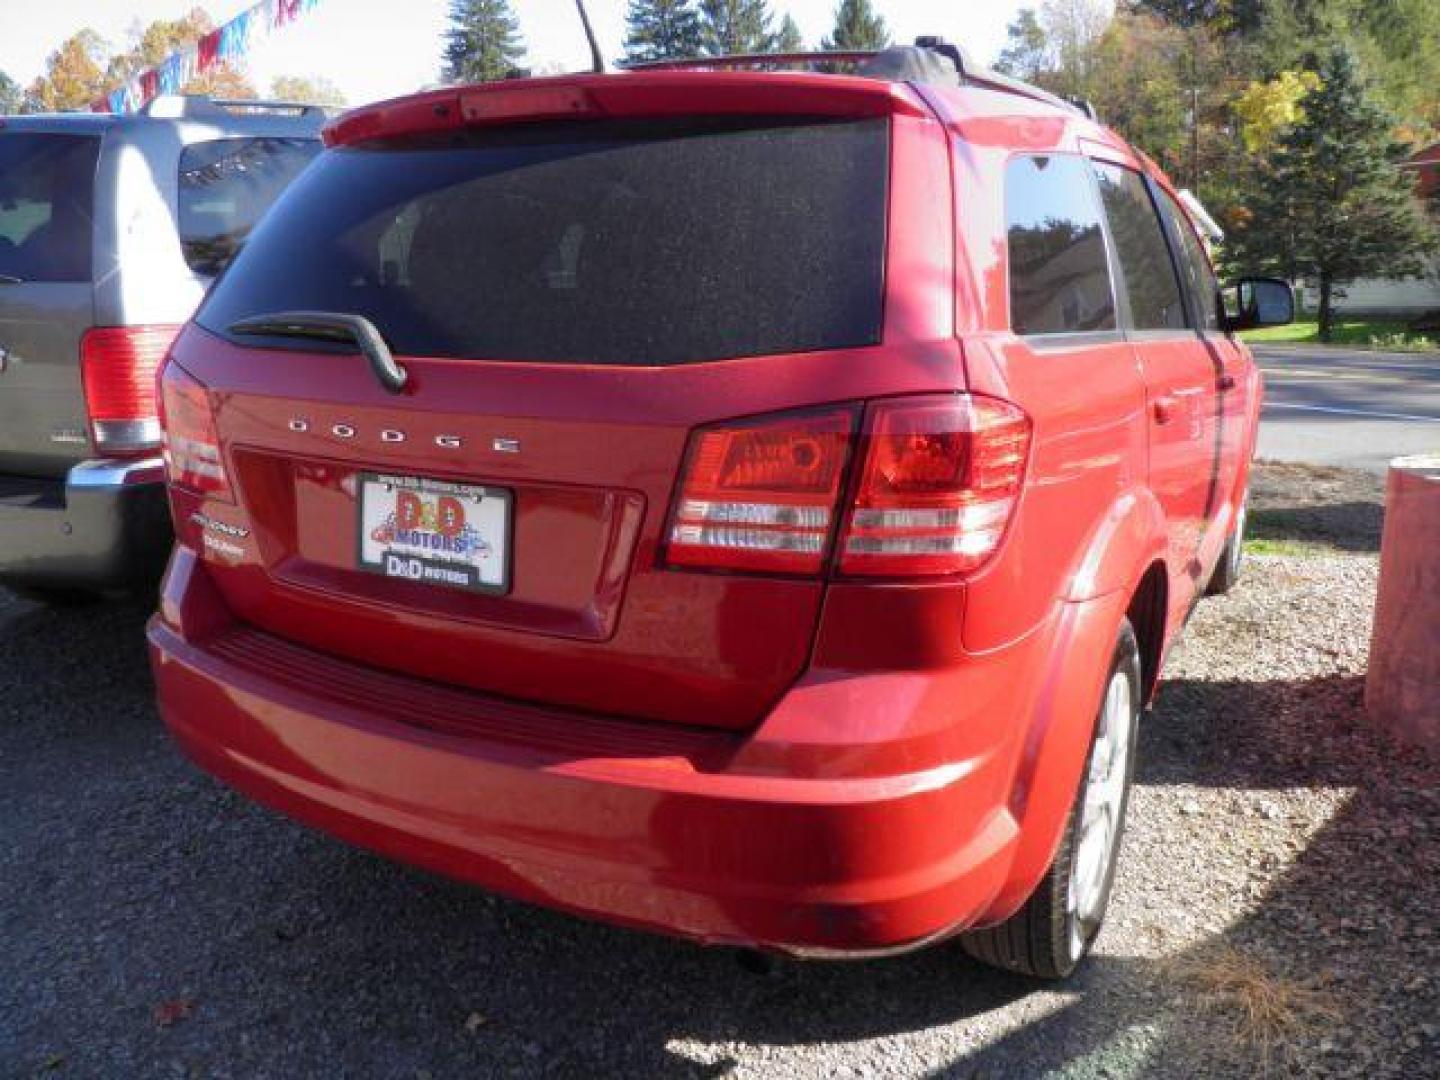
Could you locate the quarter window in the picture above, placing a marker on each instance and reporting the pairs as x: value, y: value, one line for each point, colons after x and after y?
x: 47, y: 202
x: 1147, y: 273
x: 226, y: 185
x: 1059, y: 275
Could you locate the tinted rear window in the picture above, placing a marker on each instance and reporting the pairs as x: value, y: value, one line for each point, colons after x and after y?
x: 47, y: 201
x: 1059, y: 273
x: 590, y: 243
x: 225, y: 186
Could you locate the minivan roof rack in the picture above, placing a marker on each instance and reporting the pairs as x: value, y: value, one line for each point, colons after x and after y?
x: 967, y: 71
x: 198, y: 106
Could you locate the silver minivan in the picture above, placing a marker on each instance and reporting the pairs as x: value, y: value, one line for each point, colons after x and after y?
x: 111, y: 230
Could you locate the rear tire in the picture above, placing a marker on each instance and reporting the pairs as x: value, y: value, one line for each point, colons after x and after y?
x: 1232, y: 558
x: 1053, y: 932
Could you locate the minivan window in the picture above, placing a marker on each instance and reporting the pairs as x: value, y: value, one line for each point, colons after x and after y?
x: 607, y: 242
x: 225, y: 187
x: 1147, y: 273
x: 1199, y: 276
x: 1059, y: 274
x: 47, y: 202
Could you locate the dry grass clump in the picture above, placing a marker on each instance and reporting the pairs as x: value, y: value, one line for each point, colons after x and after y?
x: 1259, y: 1007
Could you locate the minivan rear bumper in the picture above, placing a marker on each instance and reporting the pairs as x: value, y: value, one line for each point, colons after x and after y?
x: 649, y: 825
x: 105, y: 525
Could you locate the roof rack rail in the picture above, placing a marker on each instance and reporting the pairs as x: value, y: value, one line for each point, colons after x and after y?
x: 745, y: 60
x: 967, y: 71
x: 198, y: 106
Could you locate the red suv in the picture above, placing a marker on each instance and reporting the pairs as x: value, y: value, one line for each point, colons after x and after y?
x: 749, y: 505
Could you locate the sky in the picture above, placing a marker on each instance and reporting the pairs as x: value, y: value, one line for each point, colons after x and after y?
x: 375, y: 49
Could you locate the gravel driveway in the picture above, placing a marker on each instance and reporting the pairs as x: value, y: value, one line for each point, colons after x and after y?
x: 1280, y: 856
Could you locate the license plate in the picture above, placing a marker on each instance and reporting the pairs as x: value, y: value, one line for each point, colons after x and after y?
x: 435, y: 532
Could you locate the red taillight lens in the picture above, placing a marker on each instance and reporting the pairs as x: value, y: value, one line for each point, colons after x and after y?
x: 117, y: 366
x: 940, y: 480
x: 761, y: 496
x: 192, y: 450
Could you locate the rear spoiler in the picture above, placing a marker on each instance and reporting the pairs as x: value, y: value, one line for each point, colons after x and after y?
x: 635, y: 93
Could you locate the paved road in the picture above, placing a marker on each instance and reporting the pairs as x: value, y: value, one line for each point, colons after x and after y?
x: 1330, y: 406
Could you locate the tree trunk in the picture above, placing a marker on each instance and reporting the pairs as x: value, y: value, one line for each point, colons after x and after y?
x: 1327, y: 315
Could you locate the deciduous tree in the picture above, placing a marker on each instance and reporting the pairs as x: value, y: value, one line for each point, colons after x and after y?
x: 154, y: 43
x: 74, y: 75
x: 311, y: 89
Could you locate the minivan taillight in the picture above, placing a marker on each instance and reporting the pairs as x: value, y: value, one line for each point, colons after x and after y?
x: 939, y: 482
x: 192, y: 449
x: 117, y: 367
x: 760, y: 495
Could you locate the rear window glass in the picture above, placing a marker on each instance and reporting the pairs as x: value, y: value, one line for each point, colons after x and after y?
x: 225, y: 187
x: 1059, y: 274
x: 47, y: 200
x: 602, y: 243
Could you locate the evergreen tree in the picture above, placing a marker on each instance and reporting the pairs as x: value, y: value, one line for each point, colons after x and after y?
x: 483, y: 42
x: 735, y: 27
x: 1027, y: 48
x: 788, y: 38
x: 857, y: 27
x: 661, y: 30
x: 1329, y: 204
x: 12, y: 98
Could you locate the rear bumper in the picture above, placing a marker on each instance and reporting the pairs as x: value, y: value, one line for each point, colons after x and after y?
x: 106, y: 525
x: 659, y: 827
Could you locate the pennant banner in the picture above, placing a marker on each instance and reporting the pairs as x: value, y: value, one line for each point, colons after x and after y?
x: 229, y: 45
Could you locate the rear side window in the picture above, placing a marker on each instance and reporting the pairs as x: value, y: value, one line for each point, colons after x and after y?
x: 1146, y: 270
x: 225, y: 187
x: 47, y: 202
x: 1195, y: 265
x: 1059, y: 274
x: 607, y: 243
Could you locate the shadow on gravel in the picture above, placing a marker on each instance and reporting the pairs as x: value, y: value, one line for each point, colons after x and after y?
x: 1354, y: 912
x: 1353, y: 526
x: 138, y: 881
x: 1316, y: 504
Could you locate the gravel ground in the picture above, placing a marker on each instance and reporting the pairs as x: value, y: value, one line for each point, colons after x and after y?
x: 155, y: 925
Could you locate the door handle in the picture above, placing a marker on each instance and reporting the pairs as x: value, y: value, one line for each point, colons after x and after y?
x: 1164, y: 407
x: 1225, y: 382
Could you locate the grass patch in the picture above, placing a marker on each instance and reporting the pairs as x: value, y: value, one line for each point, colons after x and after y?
x: 1261, y: 1008
x: 1380, y: 333
x: 1300, y: 548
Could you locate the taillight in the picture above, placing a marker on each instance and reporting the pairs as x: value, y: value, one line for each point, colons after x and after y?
x: 117, y: 366
x: 761, y: 495
x: 192, y: 449
x: 936, y: 487
x: 940, y: 479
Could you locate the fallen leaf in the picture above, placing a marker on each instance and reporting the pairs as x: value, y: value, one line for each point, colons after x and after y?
x: 168, y: 1013
x: 475, y: 1021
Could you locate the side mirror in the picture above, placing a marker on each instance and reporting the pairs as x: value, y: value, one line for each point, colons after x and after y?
x: 1258, y: 301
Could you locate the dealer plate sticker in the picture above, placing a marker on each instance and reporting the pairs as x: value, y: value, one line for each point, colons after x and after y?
x: 435, y: 532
